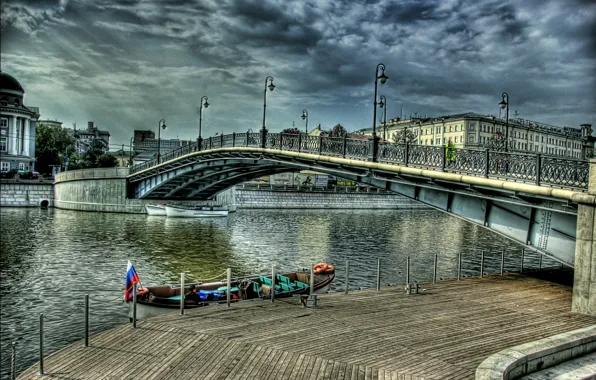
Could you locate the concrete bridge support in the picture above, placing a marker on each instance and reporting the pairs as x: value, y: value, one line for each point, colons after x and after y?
x: 584, y: 282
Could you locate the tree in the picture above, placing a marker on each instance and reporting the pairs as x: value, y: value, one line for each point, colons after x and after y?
x: 107, y: 160
x: 497, y: 142
x: 96, y: 149
x: 404, y: 135
x: 52, y: 144
x: 338, y: 131
x: 291, y: 131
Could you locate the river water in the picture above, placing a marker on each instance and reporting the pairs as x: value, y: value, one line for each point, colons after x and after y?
x: 51, y: 258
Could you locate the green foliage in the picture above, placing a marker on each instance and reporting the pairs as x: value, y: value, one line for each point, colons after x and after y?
x: 107, y: 160
x: 338, y: 131
x: 496, y: 142
x: 291, y: 131
x: 51, y: 146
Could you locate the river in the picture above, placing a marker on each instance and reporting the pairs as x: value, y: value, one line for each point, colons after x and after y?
x: 51, y: 258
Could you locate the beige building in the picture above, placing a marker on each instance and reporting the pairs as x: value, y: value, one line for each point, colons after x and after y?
x: 472, y: 130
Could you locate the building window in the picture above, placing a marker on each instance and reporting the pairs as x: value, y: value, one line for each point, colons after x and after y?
x: 5, y: 166
x: 3, y: 144
x: 21, y: 166
x: 4, y: 122
x: 16, y: 102
x: 451, y: 128
x: 472, y: 126
x: 471, y: 139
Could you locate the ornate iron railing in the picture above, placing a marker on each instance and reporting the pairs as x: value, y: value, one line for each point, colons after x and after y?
x: 526, y: 167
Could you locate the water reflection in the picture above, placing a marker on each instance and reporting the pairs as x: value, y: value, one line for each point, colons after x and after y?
x: 51, y: 258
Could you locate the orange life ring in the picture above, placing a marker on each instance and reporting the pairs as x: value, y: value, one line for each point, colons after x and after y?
x: 320, y: 268
x: 330, y: 269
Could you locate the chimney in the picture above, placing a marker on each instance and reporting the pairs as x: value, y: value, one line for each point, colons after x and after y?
x: 90, y: 126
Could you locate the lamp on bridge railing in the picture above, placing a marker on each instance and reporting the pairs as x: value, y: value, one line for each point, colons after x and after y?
x: 271, y: 86
x: 305, y: 117
x: 383, y: 105
x: 160, y: 125
x: 505, y: 104
x: 375, y: 140
x: 206, y: 104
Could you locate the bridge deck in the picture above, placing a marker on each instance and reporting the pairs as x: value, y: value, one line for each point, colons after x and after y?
x: 443, y: 333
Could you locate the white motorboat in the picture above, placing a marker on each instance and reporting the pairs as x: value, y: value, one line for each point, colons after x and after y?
x: 158, y: 209
x: 196, y: 211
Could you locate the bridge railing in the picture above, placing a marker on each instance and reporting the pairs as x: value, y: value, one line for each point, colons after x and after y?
x: 526, y: 167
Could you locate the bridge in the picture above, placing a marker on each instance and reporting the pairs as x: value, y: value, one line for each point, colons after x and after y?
x: 533, y: 199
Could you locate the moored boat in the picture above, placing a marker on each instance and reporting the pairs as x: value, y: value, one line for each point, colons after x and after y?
x: 195, y: 211
x: 158, y: 300
x: 158, y: 209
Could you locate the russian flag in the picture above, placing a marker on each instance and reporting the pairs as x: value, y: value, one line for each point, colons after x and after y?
x: 131, y: 278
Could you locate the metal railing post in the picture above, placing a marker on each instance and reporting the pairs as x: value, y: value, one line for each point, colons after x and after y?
x: 247, y: 139
x: 312, y: 279
x: 443, y: 157
x: 233, y: 139
x: 345, y: 147
x: 486, y: 162
x: 522, y: 261
x: 41, y: 373
x: 134, y: 305
x: 320, y: 145
x: 502, y: 261
x: 540, y: 262
x: 87, y: 320
x: 182, y: 293
x: 229, y: 291
x: 482, y: 264
x: 13, y: 361
x: 281, y: 141
x: 407, y: 154
x: 273, y: 283
x: 435, y: 269
x: 538, y: 169
x: 378, y: 274
x: 459, y: 266
x: 299, y: 143
x: 347, y: 276
x: 408, y: 270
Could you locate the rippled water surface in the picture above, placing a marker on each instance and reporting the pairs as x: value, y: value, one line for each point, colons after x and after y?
x: 51, y: 258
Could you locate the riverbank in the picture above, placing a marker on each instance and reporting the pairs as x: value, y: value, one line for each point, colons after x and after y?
x: 443, y: 333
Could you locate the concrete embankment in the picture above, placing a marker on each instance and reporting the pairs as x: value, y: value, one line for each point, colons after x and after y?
x: 26, y: 194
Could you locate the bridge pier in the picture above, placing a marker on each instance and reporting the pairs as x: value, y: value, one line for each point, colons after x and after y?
x: 584, y: 281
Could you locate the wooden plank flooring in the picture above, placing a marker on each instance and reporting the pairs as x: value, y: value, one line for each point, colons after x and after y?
x: 443, y: 333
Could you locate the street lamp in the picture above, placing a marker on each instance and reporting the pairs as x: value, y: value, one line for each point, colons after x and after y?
x: 383, y: 105
x: 271, y: 88
x: 505, y: 104
x: 206, y: 104
x: 305, y: 117
x: 375, y: 140
x: 161, y: 124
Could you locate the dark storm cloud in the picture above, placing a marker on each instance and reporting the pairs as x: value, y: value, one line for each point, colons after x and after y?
x: 126, y: 64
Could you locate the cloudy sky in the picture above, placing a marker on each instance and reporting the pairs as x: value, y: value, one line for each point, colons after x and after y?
x: 126, y: 64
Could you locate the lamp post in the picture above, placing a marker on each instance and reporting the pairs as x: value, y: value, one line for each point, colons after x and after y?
x: 505, y: 104
x: 305, y: 117
x: 383, y: 105
x: 374, y: 139
x: 161, y: 124
x: 206, y: 104
x: 132, y: 139
x: 271, y: 88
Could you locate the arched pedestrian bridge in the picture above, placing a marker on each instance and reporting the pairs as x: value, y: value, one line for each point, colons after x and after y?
x: 531, y: 198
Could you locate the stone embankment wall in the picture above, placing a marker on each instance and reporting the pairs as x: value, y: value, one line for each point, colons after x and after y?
x: 100, y: 190
x: 33, y: 194
x: 280, y: 199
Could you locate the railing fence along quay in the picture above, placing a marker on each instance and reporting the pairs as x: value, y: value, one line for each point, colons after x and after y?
x: 537, y: 168
x: 467, y: 264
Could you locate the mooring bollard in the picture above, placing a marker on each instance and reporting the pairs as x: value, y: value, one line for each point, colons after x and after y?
x: 229, y: 285
x: 482, y: 264
x: 347, y: 276
x: 134, y: 305
x: 13, y: 361
x: 182, y: 293
x: 502, y: 261
x: 87, y: 320
x: 408, y: 270
x: 435, y: 269
x: 272, y: 283
x: 378, y: 274
x: 459, y: 266
x: 41, y: 373
x: 522, y: 261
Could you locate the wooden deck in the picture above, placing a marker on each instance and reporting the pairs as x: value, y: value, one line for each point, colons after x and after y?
x: 443, y: 333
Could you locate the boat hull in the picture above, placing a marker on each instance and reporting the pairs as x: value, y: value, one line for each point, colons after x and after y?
x: 177, y: 212
x: 155, y: 210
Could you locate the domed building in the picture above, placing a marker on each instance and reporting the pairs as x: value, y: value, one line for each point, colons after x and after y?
x: 17, y: 127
